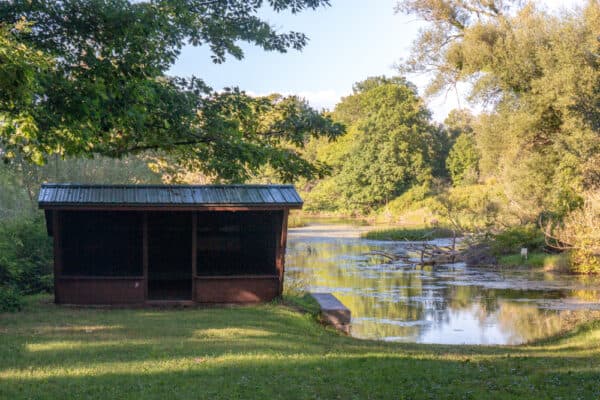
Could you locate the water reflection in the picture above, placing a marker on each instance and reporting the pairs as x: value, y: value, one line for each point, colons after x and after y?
x: 442, y: 304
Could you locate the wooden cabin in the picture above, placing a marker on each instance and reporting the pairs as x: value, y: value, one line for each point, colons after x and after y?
x: 134, y: 244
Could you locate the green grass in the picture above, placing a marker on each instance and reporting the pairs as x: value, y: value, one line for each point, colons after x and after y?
x: 296, y: 221
x: 267, y: 352
x: 413, y: 234
x: 550, y: 262
x: 515, y: 260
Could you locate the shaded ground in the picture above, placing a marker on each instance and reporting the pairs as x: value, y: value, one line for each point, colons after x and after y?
x: 268, y: 351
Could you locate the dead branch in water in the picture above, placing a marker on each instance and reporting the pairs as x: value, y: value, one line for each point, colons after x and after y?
x: 426, y: 254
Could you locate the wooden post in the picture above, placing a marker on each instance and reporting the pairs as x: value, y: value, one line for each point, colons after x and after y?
x: 58, y: 253
x: 194, y: 252
x: 281, y: 250
x: 145, y: 253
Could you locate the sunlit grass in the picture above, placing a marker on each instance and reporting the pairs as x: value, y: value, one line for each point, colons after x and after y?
x: 550, y: 262
x: 268, y: 351
x: 412, y: 234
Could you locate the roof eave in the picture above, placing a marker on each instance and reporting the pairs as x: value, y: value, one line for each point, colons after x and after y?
x: 168, y: 207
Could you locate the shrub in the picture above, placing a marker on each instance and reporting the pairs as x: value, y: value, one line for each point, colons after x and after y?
x: 513, y: 239
x: 25, y: 255
x: 10, y: 299
x: 537, y: 260
x: 557, y: 262
x: 295, y: 221
x: 579, y: 233
x: 474, y: 208
x: 409, y: 200
x: 463, y: 161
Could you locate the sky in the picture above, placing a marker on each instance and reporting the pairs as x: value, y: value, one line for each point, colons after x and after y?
x: 348, y: 42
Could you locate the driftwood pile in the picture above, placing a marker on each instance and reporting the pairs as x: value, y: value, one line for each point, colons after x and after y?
x: 425, y: 253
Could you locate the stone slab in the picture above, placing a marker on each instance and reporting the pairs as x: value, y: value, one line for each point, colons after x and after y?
x: 333, y: 311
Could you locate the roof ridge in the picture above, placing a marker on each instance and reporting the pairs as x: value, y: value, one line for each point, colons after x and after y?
x: 236, y: 195
x: 159, y: 185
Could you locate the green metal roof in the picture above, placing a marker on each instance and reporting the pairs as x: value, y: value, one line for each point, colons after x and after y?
x: 185, y: 196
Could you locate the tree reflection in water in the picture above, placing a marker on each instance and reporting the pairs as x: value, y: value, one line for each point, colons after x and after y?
x: 442, y: 304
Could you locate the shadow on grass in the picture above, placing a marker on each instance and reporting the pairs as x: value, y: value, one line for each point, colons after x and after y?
x: 263, y: 352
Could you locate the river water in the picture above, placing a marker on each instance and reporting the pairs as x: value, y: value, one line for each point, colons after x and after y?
x: 450, y: 304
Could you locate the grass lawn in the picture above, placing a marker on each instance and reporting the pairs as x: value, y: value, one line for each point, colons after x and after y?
x: 413, y: 234
x: 265, y: 352
x: 547, y: 261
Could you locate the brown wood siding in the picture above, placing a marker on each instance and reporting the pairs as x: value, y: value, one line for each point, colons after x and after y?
x: 100, y: 291
x: 236, y: 289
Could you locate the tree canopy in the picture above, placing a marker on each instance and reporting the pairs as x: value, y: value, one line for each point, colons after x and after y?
x: 391, y: 144
x: 538, y: 75
x: 82, y: 77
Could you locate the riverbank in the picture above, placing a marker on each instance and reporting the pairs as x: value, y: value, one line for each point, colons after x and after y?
x: 267, y: 351
x: 557, y: 262
x: 409, y: 234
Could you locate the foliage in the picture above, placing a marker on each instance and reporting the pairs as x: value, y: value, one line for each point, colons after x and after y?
x: 268, y: 351
x: 558, y: 262
x: 391, y: 145
x: 411, y: 234
x: 26, y: 255
x: 579, y: 233
x: 11, y: 299
x: 535, y: 260
x: 538, y: 76
x: 90, y: 78
x: 473, y: 208
x: 20, y: 65
x: 20, y: 180
x: 514, y: 238
x: 412, y: 198
x: 295, y: 221
x: 463, y: 161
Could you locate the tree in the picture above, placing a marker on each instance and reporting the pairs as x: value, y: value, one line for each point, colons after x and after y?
x: 94, y: 82
x: 389, y: 147
x: 539, y: 76
x: 19, y: 66
x: 462, y: 161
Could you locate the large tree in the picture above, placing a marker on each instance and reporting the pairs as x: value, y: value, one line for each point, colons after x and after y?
x: 84, y: 77
x: 538, y: 73
x: 391, y: 145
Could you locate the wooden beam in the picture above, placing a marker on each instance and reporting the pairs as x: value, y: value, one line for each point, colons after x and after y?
x: 145, y: 253
x: 194, y: 252
x: 58, y: 253
x: 281, y: 249
x: 129, y: 207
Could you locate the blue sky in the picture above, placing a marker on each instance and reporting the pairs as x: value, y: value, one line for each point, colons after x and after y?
x: 349, y: 41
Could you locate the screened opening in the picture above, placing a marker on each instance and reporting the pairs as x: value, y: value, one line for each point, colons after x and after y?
x: 170, y: 256
x: 238, y: 243
x: 101, y: 243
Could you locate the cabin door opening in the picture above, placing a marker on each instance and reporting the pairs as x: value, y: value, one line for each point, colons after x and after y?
x: 170, y: 256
